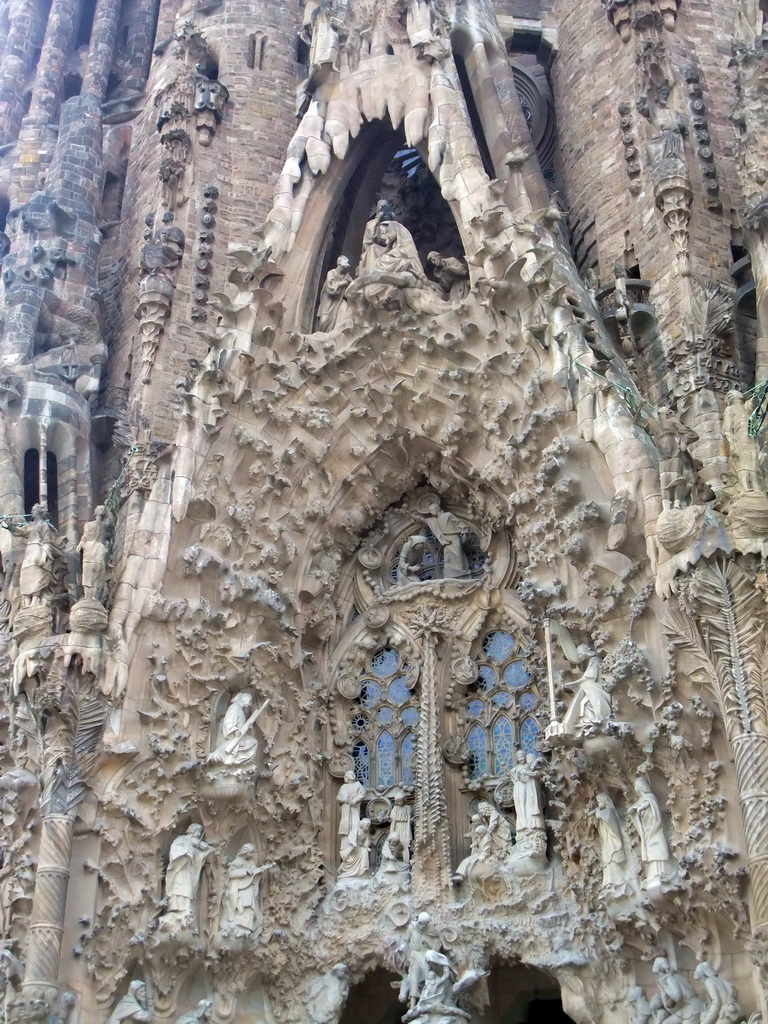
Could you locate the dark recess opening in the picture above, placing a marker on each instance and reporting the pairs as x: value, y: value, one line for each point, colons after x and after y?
x: 52, y: 474
x: 31, y: 479
x: 85, y: 25
x: 474, y: 116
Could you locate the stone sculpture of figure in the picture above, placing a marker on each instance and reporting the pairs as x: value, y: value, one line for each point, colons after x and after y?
x: 677, y: 472
x: 421, y: 938
x: 448, y: 530
x: 189, y: 853
x: 43, y: 564
x: 93, y: 546
x: 351, y: 796
x: 591, y: 705
x: 675, y: 1002
x: 479, y: 848
x: 240, y: 908
x: 526, y: 794
x: 355, y: 851
x: 393, y: 868
x: 638, y: 1007
x: 410, y: 560
x: 450, y: 274
x: 11, y: 976
x: 400, y: 823
x: 134, y: 1006
x: 326, y: 995
x: 236, y: 748
x: 201, y: 1013
x: 438, y: 985
x: 333, y: 307
x: 498, y: 837
x: 654, y: 850
x: 722, y: 1006
x: 613, y: 852
x: 742, y: 448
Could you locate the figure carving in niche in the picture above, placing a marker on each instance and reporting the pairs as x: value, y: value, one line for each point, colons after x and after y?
x: 591, y: 705
x: 437, y: 992
x: 479, y: 849
x: 400, y: 823
x: 638, y: 1007
x: 449, y: 530
x: 94, y: 548
x: 134, y: 1006
x: 160, y: 259
x: 421, y: 938
x: 498, y: 834
x: 450, y: 274
x: 43, y: 567
x: 390, y: 274
x: 326, y: 995
x: 333, y: 308
x: 236, y: 748
x: 188, y: 854
x: 722, y: 1006
x: 411, y: 558
x: 355, y: 851
x: 677, y: 469
x: 654, y: 850
x: 210, y: 99
x: 675, y: 1002
x: 201, y: 1013
x: 526, y: 793
x: 350, y: 797
x: 742, y: 449
x: 617, y: 866
x: 393, y: 868
x: 241, y: 915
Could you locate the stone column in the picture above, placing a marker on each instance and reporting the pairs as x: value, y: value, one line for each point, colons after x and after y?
x: 102, y: 48
x: 25, y: 36
x: 59, y: 36
x: 750, y: 753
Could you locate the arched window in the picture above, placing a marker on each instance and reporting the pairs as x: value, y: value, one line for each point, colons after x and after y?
x: 500, y: 708
x: 383, y: 724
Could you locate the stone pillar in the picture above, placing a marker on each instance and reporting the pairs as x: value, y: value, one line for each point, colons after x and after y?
x: 750, y: 752
x: 141, y: 17
x: 25, y: 37
x: 59, y: 35
x: 102, y: 48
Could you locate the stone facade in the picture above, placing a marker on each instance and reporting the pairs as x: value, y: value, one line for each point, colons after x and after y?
x: 384, y: 521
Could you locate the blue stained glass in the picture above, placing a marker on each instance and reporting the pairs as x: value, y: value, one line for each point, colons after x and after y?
x: 385, y: 761
x: 527, y: 701
x: 503, y: 746
x: 385, y: 662
x: 486, y: 678
x: 398, y: 691
x: 407, y: 753
x: 528, y: 735
x: 477, y: 764
x: 498, y: 646
x: 502, y: 699
x: 361, y: 762
x: 359, y: 722
x: 384, y: 715
x: 516, y: 676
x: 409, y: 716
x: 475, y: 709
x: 370, y: 693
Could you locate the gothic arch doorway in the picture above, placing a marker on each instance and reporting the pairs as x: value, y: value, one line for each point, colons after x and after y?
x: 374, y: 1001
x: 523, y: 995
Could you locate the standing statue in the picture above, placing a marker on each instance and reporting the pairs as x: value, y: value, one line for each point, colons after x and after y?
x: 326, y: 995
x: 41, y: 577
x: 676, y: 1002
x: 421, y: 938
x: 237, y: 748
x: 677, y: 470
x: 448, y: 530
x: 189, y: 853
x: 200, y: 1015
x: 355, y: 851
x: 654, y: 850
x: 241, y: 913
x: 591, y: 705
x: 722, y: 1006
x: 613, y: 852
x: 333, y: 307
x: 742, y: 449
x: 351, y: 796
x: 526, y: 794
x: 134, y: 1006
x: 94, y: 546
x: 400, y: 823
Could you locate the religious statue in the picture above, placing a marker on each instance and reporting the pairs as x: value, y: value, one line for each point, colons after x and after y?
x: 722, y: 1006
x: 94, y: 546
x: 240, y: 909
x: 448, y: 530
x: 400, y: 822
x: 351, y: 796
x: 613, y: 851
x: 200, y: 1015
x: 421, y: 938
x: 498, y: 833
x: 638, y: 1007
x: 676, y: 1002
x: 438, y: 984
x: 333, y: 307
x: 188, y: 854
x: 742, y: 449
x: 326, y: 995
x: 526, y: 793
x: 451, y: 274
x: 43, y: 567
x: 236, y: 748
x: 393, y: 868
x: 134, y: 1006
x: 654, y: 850
x: 410, y: 560
x: 479, y: 848
x: 591, y: 705
x: 355, y: 851
x: 677, y: 469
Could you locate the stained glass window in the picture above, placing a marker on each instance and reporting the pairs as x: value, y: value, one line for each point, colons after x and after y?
x: 477, y: 765
x: 361, y: 761
x: 385, y: 761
